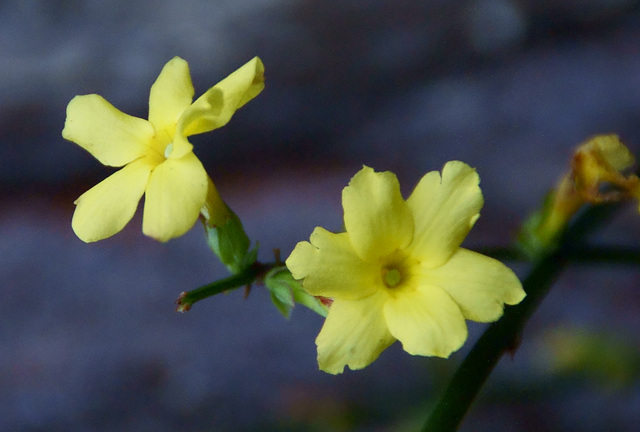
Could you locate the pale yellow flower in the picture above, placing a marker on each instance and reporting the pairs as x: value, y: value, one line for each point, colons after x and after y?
x: 156, y: 156
x: 399, y: 273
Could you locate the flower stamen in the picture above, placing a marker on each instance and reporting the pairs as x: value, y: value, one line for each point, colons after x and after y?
x: 168, y: 150
x: 391, y: 277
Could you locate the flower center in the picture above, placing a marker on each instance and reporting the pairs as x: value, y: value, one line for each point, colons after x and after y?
x: 397, y: 270
x: 391, y: 277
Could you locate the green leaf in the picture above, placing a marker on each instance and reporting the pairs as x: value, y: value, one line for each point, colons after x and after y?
x: 601, y: 356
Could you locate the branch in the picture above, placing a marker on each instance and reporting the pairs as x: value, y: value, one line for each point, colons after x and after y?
x: 504, y: 335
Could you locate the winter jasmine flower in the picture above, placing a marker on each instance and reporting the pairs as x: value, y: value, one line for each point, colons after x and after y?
x: 398, y: 272
x: 155, y: 154
x: 603, y: 159
x: 598, y: 175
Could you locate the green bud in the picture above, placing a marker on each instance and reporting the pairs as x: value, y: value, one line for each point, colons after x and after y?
x: 231, y: 244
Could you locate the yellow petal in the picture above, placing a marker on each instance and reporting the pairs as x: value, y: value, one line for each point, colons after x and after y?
x: 444, y: 210
x: 176, y: 192
x: 215, y: 108
x: 478, y: 284
x: 426, y: 320
x: 600, y: 159
x: 170, y: 95
x: 376, y: 216
x: 331, y: 268
x: 112, y: 137
x: 244, y: 84
x: 609, y: 149
x: 354, y: 334
x: 197, y: 117
x: 106, y: 208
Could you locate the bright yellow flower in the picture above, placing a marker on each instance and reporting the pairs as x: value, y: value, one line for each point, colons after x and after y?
x: 399, y: 273
x: 156, y: 156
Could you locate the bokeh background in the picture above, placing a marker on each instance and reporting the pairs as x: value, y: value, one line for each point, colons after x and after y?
x: 89, y: 339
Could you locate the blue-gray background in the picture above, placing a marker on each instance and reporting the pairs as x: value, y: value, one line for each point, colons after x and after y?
x: 89, y: 340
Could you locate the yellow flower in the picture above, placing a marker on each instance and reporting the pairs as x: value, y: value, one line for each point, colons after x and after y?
x: 398, y: 272
x: 156, y: 156
x: 597, y: 176
x: 602, y: 159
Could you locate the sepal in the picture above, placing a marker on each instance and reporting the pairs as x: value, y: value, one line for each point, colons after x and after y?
x: 286, y: 292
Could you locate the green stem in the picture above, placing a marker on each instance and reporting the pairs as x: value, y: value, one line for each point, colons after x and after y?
x: 501, y: 253
x: 243, y: 278
x: 501, y: 336
x: 504, y: 335
x: 625, y: 255
x: 606, y: 255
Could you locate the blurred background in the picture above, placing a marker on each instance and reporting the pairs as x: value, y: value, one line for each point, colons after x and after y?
x: 89, y: 336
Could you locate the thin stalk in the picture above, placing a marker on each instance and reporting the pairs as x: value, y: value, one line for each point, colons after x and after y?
x: 606, y: 255
x: 501, y: 253
x: 586, y: 254
x: 504, y: 335
x: 244, y: 278
x: 500, y: 337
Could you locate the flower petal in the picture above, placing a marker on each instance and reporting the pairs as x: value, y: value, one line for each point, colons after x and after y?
x: 354, y: 334
x: 107, y: 207
x: 426, y: 320
x: 176, y: 192
x: 170, y: 95
x: 111, y: 136
x: 480, y: 285
x: 444, y: 211
x: 331, y: 268
x: 215, y: 108
x: 607, y: 150
x: 244, y: 84
x: 376, y: 216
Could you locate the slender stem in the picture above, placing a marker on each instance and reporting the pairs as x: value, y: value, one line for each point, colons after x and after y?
x: 244, y: 278
x: 584, y: 255
x: 503, y: 335
x: 501, y: 253
x: 500, y: 337
x: 606, y: 255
